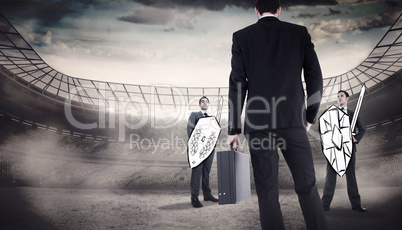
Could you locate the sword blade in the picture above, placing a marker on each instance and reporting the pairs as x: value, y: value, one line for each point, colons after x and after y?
x: 357, y: 110
x: 219, y: 112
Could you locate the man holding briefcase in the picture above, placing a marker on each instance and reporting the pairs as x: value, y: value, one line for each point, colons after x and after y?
x: 267, y: 60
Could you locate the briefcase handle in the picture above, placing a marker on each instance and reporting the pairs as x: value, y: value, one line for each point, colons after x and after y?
x: 231, y: 147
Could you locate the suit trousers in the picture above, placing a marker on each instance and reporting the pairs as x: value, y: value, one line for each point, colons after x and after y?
x: 330, y: 183
x: 296, y: 150
x: 202, y: 170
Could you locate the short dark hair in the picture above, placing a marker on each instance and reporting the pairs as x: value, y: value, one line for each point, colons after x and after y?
x: 343, y: 91
x: 199, y: 102
x: 270, y: 6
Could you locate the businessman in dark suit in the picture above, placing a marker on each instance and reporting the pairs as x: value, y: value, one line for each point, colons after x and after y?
x: 204, y: 168
x: 330, y: 180
x: 267, y: 61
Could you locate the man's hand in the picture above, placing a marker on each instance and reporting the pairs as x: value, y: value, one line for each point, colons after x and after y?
x: 308, y: 126
x: 354, y: 140
x: 233, y: 139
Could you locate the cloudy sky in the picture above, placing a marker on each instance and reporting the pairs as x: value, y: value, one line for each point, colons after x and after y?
x: 183, y: 42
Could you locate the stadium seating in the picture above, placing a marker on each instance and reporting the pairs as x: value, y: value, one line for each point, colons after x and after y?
x: 46, y: 158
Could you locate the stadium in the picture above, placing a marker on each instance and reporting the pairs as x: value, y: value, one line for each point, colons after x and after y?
x: 85, y: 154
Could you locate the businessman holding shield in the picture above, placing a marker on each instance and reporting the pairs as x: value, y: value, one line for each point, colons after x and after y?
x: 204, y: 168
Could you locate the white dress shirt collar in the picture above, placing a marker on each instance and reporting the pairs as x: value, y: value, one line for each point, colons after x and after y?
x: 267, y: 15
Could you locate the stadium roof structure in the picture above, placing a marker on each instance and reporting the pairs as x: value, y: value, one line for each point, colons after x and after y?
x: 26, y: 67
x: 383, y: 61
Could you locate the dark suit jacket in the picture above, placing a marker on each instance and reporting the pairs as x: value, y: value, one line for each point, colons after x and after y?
x: 192, y: 121
x: 267, y: 61
x: 359, y: 126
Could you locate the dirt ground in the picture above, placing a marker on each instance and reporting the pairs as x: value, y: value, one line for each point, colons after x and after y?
x: 56, y: 208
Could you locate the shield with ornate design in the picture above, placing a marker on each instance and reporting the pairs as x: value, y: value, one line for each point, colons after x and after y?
x: 203, y: 139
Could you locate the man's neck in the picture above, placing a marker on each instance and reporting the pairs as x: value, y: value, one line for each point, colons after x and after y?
x: 264, y: 15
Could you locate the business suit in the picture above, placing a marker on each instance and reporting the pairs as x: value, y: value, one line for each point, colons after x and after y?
x: 267, y: 61
x: 330, y: 180
x: 203, y: 169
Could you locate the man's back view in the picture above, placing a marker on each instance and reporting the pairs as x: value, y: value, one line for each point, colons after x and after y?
x: 268, y: 58
x: 267, y: 61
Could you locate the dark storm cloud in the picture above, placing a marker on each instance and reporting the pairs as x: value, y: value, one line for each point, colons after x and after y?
x: 387, y: 14
x: 46, y: 12
x: 333, y: 12
x: 305, y: 15
x: 325, y: 30
x: 50, y: 12
x: 147, y: 16
x: 213, y: 5
x: 309, y: 15
x: 385, y: 19
x: 217, y: 5
x: 187, y: 19
x: 392, y: 3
